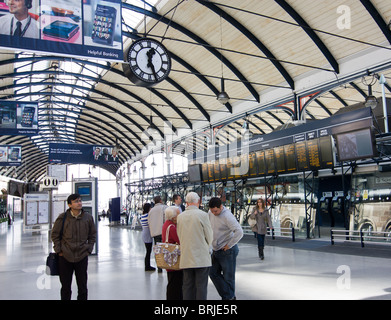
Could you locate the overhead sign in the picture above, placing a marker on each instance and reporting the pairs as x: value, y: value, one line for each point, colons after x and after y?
x: 10, y: 155
x: 50, y: 183
x: 82, y: 153
x: 18, y: 118
x: 87, y: 28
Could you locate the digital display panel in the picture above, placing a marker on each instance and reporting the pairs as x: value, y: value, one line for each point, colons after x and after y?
x: 205, y: 173
x: 313, y: 154
x: 252, y: 164
x: 195, y: 174
x: 261, y: 162
x: 270, y: 161
x: 356, y: 145
x: 280, y: 159
x: 290, y: 157
x: 223, y: 169
x: 301, y: 156
x: 326, y: 152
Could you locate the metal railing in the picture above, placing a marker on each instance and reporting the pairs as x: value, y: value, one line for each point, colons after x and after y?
x: 275, y: 232
x: 362, y: 236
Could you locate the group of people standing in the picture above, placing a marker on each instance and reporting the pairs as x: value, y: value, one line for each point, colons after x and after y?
x: 208, y: 242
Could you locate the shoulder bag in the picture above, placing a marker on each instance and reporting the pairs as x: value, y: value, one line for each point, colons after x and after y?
x: 167, y: 255
x: 52, y: 258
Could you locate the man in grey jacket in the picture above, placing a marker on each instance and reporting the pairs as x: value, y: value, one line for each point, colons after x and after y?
x: 73, y: 246
x: 195, y: 235
x: 226, y: 234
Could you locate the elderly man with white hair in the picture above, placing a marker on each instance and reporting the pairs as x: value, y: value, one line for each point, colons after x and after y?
x: 196, y: 236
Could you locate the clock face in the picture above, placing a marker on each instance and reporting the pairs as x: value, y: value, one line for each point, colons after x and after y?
x: 148, y: 62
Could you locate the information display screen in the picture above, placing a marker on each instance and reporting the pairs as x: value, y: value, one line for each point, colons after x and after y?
x: 303, y: 155
x: 261, y: 162
x: 313, y: 154
x: 280, y: 159
x: 290, y: 158
x: 326, y: 152
x: 252, y: 165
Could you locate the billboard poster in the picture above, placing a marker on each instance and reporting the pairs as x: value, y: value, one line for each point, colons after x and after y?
x: 10, y: 155
x: 85, y: 28
x: 62, y: 153
x: 18, y: 118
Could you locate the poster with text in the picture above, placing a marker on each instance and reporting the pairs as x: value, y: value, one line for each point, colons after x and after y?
x: 10, y: 155
x: 85, y: 28
x: 62, y: 153
x: 18, y: 118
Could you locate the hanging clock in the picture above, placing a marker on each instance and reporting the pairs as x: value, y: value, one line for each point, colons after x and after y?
x: 148, y: 62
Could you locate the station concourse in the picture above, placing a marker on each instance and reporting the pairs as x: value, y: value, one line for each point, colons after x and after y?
x: 280, y: 100
x: 305, y: 270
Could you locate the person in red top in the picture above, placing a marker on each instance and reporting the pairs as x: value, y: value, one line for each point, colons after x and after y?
x: 175, y: 277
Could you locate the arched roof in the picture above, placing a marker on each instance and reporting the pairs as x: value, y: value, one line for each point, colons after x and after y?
x: 282, y: 60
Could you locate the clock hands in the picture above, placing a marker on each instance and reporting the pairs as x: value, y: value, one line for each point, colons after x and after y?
x: 150, y: 54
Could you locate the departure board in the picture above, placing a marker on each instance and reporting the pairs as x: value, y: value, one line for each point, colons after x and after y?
x: 252, y: 165
x: 211, y: 169
x: 301, y: 155
x: 230, y: 169
x: 216, y: 169
x: 223, y: 169
x: 205, y: 173
x: 313, y: 154
x: 280, y: 159
x: 270, y: 161
x: 326, y: 152
x: 290, y: 158
x: 261, y: 165
x: 244, y: 165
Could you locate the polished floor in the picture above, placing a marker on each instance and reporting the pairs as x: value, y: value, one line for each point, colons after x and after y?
x: 304, y: 270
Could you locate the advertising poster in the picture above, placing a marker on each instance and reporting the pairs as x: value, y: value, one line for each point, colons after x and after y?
x: 10, y: 155
x: 85, y: 28
x: 61, y: 153
x: 18, y: 118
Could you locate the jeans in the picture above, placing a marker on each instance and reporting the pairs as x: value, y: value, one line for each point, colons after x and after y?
x: 222, y: 272
x: 261, y: 240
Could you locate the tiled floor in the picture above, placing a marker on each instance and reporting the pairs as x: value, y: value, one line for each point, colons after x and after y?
x: 307, y: 269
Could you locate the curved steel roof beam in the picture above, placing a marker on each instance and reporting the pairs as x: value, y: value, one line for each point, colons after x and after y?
x: 44, y: 82
x: 199, y: 40
x: 378, y: 18
x: 108, y: 124
x: 96, y: 79
x: 89, y: 122
x: 85, y: 107
x: 311, y: 33
x: 252, y: 38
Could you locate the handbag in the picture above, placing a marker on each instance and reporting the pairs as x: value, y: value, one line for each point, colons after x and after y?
x: 52, y: 258
x: 167, y: 255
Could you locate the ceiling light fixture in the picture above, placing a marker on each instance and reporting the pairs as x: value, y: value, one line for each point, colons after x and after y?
x: 223, y: 96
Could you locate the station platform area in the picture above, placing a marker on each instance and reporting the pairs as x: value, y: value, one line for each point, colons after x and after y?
x: 301, y: 270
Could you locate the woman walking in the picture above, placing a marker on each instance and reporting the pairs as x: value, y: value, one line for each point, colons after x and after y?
x: 262, y: 217
x: 146, y: 235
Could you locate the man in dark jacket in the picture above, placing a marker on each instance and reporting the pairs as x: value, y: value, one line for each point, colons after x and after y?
x: 77, y: 241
